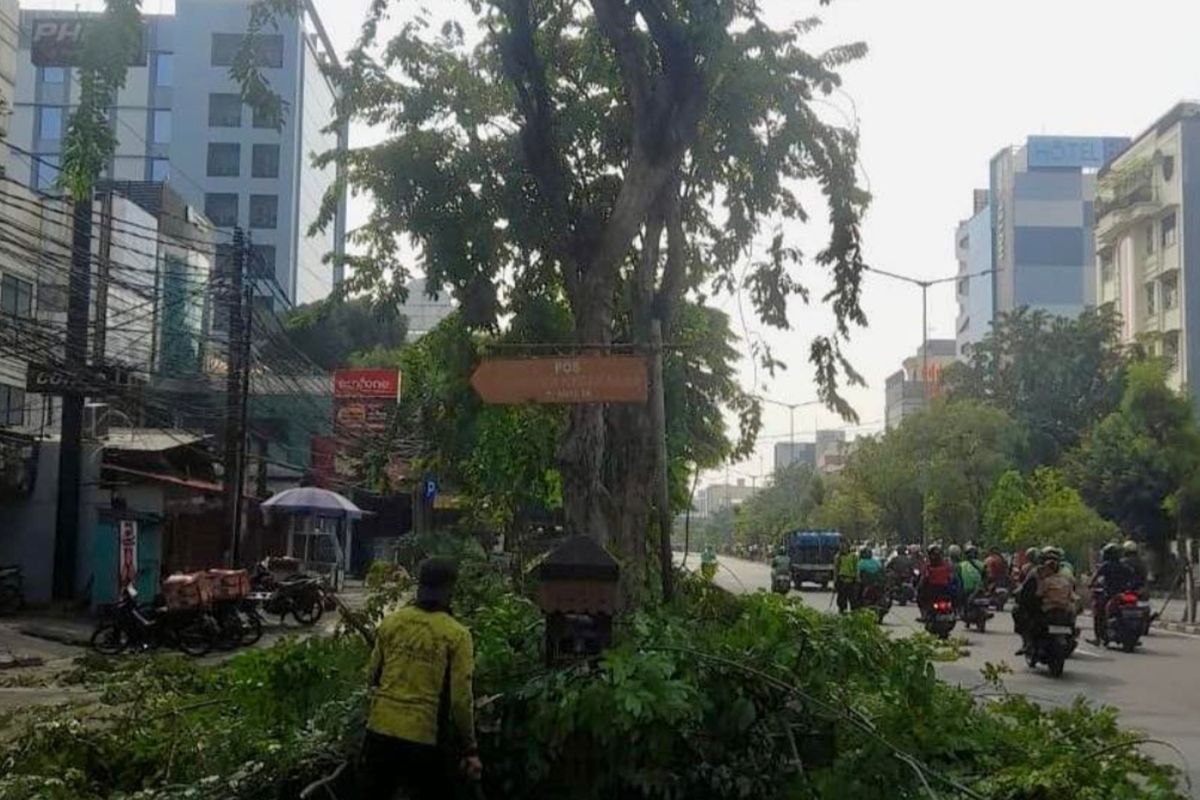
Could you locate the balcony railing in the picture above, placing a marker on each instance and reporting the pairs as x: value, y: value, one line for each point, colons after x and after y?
x: 1126, y: 188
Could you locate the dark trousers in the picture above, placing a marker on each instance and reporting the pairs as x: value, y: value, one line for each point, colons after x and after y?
x: 847, y: 595
x: 389, y: 764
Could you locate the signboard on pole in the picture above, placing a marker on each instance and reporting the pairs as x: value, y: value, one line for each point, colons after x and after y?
x: 127, y: 536
x: 363, y: 400
x: 562, y: 380
x: 91, y: 379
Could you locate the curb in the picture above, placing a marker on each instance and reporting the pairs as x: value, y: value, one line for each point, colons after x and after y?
x: 1177, y: 627
x: 54, y: 633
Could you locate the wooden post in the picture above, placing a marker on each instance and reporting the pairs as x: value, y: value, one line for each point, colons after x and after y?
x: 658, y: 419
x: 1189, y: 584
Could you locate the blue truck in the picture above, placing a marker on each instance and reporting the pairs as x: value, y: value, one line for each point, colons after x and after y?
x: 812, y: 554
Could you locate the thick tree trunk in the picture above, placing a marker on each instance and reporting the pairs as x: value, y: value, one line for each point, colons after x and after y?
x: 629, y: 474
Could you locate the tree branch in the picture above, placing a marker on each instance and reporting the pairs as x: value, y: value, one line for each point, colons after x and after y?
x: 676, y: 267
x: 615, y: 20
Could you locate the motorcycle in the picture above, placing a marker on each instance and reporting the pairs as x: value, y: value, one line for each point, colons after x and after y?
x: 781, y: 583
x: 976, y: 611
x: 941, y: 618
x: 1123, y: 621
x: 147, y: 627
x: 874, y: 596
x: 998, y: 597
x: 902, y: 592
x: 1053, y: 644
x: 238, y: 623
x: 302, y: 596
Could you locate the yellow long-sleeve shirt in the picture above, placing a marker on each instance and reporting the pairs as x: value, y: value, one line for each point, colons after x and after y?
x: 413, y: 650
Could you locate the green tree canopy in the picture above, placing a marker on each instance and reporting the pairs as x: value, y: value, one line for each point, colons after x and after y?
x: 333, y: 334
x: 1140, y: 456
x: 1055, y: 376
x: 786, y: 504
x: 1052, y: 513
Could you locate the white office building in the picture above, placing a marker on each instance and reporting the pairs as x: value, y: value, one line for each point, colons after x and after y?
x: 180, y: 120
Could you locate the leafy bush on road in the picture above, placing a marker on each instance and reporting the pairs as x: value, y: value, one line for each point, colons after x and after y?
x: 716, y: 696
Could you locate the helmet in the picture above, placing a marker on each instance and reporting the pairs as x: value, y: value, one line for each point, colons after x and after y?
x: 935, y: 549
x: 1033, y: 554
x: 955, y: 552
x: 1110, y: 552
x: 1052, y: 553
x: 971, y: 551
x: 1130, y: 547
x: 865, y: 553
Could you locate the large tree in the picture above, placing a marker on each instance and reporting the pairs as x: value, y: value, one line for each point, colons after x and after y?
x: 785, y: 505
x: 1056, y: 376
x: 614, y: 154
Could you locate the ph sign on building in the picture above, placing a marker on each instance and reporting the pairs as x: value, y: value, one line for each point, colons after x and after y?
x: 59, y: 41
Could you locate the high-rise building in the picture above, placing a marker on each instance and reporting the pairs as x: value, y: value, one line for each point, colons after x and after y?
x: 788, y: 453
x: 1147, y: 241
x: 907, y: 390
x: 1041, y: 201
x: 973, y: 249
x: 180, y: 119
x: 8, y: 71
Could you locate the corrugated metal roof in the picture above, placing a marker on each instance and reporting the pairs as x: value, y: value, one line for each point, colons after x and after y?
x: 149, y: 440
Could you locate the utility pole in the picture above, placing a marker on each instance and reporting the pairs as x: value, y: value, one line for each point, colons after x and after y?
x: 66, y: 529
x: 99, y: 332
x: 658, y: 419
x: 234, y: 398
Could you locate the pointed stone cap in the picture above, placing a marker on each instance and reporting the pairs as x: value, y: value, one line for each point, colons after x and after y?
x: 579, y: 558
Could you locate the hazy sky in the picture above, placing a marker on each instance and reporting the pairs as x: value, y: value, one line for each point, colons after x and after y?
x: 946, y: 85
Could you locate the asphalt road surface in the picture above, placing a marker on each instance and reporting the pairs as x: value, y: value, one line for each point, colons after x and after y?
x: 1156, y: 688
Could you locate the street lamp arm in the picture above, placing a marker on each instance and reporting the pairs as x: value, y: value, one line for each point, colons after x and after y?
x: 782, y: 404
x: 898, y: 277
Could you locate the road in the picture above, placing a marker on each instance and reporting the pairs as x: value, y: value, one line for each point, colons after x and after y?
x: 1157, y: 689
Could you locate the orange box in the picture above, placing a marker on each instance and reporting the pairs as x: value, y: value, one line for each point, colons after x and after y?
x: 186, y: 591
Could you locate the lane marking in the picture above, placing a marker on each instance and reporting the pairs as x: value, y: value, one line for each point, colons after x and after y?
x: 1083, y: 651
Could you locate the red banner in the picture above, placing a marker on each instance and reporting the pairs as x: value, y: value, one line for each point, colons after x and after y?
x: 360, y: 383
x: 127, y: 533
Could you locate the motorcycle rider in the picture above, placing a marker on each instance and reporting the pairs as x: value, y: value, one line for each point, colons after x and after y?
x: 970, y: 578
x: 1047, y: 591
x: 1134, y: 563
x: 420, y: 671
x: 870, y: 575
x: 971, y: 556
x: 781, y: 564
x: 995, y: 569
x: 845, y: 578
x: 899, y: 567
x: 937, y: 578
x: 1033, y: 557
x: 1112, y: 578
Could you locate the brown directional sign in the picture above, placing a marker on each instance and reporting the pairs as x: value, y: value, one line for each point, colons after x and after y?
x: 562, y: 379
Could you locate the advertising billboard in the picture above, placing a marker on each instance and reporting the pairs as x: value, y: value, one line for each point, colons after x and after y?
x: 363, y: 400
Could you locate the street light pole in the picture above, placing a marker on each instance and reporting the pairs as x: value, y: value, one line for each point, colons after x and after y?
x: 791, y: 407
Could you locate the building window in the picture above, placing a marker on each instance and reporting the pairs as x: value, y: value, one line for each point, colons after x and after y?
x: 50, y: 123
x: 264, y: 210
x: 160, y: 170
x: 1170, y: 291
x: 45, y: 169
x: 1107, y: 270
x: 268, y: 49
x: 54, y: 75
x: 224, y: 160
x: 1150, y: 239
x: 12, y: 406
x: 221, y: 209
x: 261, y: 120
x: 964, y: 287
x: 163, y: 70
x: 262, y: 261
x: 1168, y: 230
x: 16, y: 297
x: 264, y: 161
x: 224, y: 110
x: 1170, y: 349
x: 1151, y: 298
x: 161, y: 123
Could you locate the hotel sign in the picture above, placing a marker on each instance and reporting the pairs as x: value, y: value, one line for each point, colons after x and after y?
x: 1080, y: 152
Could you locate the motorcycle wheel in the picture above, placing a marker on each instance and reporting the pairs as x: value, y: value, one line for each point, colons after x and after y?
x: 110, y: 639
x: 1129, y: 644
x: 1031, y: 658
x: 982, y: 625
x: 229, y: 633
x: 196, y: 638
x: 1055, y: 665
x: 308, y: 609
x: 252, y: 629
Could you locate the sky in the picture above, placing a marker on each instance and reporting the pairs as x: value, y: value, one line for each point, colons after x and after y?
x: 947, y: 84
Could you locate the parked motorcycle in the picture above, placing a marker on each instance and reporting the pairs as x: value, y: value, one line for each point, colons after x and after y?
x: 238, y: 623
x: 131, y: 625
x: 302, y: 596
x: 1053, y: 644
x: 1123, y: 622
x: 941, y: 618
x: 976, y: 611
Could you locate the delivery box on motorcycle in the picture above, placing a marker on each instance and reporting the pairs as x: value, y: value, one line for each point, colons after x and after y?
x: 185, y: 591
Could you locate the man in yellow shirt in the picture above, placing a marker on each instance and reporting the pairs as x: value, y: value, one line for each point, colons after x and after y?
x: 420, y: 672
